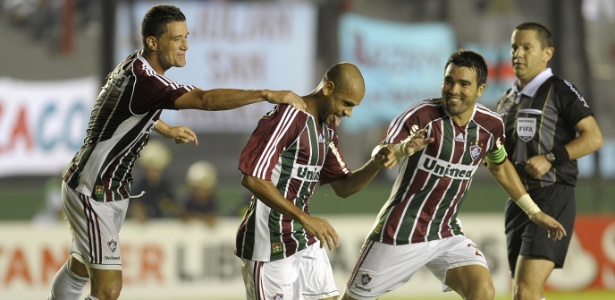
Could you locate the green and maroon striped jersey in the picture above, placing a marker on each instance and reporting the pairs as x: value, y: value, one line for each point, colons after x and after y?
x: 431, y: 184
x: 121, y: 122
x: 295, y: 152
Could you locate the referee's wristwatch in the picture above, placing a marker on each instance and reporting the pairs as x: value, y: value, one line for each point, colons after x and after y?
x: 550, y: 157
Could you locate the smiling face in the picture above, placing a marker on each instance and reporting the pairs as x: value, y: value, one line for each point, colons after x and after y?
x: 170, y: 49
x: 528, y: 55
x: 341, y: 101
x: 460, y: 92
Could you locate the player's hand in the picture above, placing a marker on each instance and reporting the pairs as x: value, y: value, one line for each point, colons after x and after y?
x: 322, y: 230
x: 556, y: 230
x: 412, y: 144
x: 384, y: 156
x: 537, y: 166
x: 418, y: 141
x: 182, y: 135
x: 285, y: 97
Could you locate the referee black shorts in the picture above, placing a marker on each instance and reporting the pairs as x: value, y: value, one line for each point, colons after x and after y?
x: 523, y: 237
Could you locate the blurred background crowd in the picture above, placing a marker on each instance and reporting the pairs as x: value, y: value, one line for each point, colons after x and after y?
x: 54, y: 40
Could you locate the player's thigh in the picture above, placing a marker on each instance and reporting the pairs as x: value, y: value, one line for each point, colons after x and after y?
x: 382, y: 268
x: 459, y: 263
x: 316, y: 276
x: 105, y: 282
x: 533, y: 272
x: 95, y: 228
x: 271, y: 279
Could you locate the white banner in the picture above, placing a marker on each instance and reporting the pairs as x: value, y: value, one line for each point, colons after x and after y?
x: 234, y: 45
x: 175, y: 260
x: 42, y: 123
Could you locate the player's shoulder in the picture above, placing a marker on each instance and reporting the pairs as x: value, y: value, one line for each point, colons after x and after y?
x: 562, y: 87
x: 285, y: 111
x: 487, y: 117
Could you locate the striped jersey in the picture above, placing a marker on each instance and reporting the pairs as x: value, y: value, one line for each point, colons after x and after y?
x: 121, y: 122
x: 539, y: 117
x: 295, y: 152
x: 432, y: 183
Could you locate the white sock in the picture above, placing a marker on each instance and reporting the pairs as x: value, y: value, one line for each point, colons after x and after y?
x: 67, y: 285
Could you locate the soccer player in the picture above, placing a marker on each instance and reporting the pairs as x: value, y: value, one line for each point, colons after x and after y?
x: 287, y: 155
x: 549, y: 125
x: 418, y: 226
x: 96, y: 188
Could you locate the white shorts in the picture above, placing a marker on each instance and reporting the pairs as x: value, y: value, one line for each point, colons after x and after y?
x: 382, y: 268
x: 95, y: 227
x: 304, y: 275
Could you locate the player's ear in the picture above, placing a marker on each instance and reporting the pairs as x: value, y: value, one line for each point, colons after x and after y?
x: 328, y: 88
x: 152, y: 42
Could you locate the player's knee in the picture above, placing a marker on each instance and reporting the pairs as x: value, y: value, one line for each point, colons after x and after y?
x: 346, y: 297
x: 482, y: 291
x: 107, y: 291
x: 523, y: 291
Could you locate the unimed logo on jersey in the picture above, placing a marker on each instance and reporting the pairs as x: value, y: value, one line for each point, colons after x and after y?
x: 445, y: 169
x: 306, y: 173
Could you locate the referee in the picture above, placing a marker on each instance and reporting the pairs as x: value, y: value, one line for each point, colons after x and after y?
x: 548, y: 126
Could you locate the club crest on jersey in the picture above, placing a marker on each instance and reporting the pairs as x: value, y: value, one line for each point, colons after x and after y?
x: 366, y: 278
x: 99, y: 190
x: 321, y: 139
x: 276, y: 247
x: 526, y: 128
x: 112, y: 244
x: 278, y: 296
x: 475, y: 151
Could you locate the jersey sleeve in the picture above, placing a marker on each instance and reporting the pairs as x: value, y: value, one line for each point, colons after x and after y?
x: 275, y: 131
x: 496, y: 152
x: 572, y: 105
x: 153, y: 91
x: 335, y: 167
x: 410, y: 121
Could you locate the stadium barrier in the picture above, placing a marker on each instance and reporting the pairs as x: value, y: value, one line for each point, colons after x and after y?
x: 177, y: 260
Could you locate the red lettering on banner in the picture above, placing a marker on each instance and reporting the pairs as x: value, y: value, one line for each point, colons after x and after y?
x: 142, y: 264
x: 152, y: 258
x: 18, y: 268
x: 20, y: 131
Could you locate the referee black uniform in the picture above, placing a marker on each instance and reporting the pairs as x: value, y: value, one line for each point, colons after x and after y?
x: 540, y: 120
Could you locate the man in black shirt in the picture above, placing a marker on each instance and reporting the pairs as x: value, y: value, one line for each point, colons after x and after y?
x: 548, y: 126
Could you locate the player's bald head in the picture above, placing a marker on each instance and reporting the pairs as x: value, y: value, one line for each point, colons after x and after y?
x: 346, y: 77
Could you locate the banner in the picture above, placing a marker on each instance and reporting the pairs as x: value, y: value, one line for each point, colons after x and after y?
x: 402, y: 63
x: 42, y: 123
x: 263, y: 45
x: 178, y: 260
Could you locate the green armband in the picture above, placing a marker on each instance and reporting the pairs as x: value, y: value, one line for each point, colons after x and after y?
x: 496, y: 157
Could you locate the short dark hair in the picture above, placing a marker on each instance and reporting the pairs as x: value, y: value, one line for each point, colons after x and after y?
x: 544, y: 35
x: 156, y: 19
x: 472, y: 60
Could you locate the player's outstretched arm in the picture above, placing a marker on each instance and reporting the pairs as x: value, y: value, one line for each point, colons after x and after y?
x: 225, y: 99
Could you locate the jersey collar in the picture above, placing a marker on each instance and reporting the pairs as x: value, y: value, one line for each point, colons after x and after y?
x: 531, y: 88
